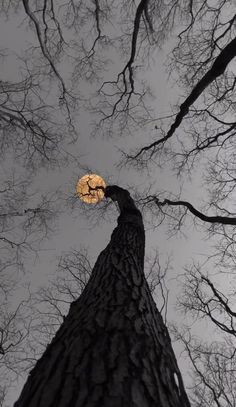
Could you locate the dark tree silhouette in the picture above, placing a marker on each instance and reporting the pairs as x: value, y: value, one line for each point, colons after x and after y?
x: 203, y: 57
x: 113, y: 347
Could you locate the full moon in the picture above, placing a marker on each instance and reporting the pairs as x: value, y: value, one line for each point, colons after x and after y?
x: 88, y: 188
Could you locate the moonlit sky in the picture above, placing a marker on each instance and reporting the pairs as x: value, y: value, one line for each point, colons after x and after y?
x: 101, y: 156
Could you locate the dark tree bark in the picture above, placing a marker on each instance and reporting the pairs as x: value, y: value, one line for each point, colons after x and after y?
x: 113, y: 348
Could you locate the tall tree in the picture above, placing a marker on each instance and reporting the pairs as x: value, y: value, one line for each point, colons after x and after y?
x: 203, y: 56
x: 113, y: 347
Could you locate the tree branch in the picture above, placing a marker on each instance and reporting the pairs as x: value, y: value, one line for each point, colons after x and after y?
x: 125, y: 78
x: 217, y: 69
x: 225, y: 220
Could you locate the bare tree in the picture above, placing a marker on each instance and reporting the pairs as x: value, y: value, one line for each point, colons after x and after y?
x: 118, y: 316
x: 201, y: 127
x: 133, y: 30
x: 15, y: 324
x: 48, y: 306
x: 2, y: 395
x: 213, y: 361
x: 51, y: 304
x: 29, y: 327
x: 31, y: 137
x: 204, y: 50
x: 213, y: 369
x: 22, y: 229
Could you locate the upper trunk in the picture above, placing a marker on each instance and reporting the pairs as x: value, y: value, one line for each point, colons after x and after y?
x: 113, y: 349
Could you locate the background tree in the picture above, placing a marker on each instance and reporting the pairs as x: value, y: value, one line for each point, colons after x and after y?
x: 213, y: 360
x: 31, y: 138
x: 196, y: 133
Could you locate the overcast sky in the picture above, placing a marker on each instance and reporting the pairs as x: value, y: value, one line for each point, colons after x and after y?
x: 102, y: 155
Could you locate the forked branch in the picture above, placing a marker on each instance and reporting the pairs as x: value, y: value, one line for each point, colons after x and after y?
x: 217, y: 69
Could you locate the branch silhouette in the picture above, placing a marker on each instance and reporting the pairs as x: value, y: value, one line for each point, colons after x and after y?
x: 217, y: 69
x: 225, y: 220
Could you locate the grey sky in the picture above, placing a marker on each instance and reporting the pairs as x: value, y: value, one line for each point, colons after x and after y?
x: 102, y: 155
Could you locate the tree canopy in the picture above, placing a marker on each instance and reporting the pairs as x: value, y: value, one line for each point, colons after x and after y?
x: 97, y: 62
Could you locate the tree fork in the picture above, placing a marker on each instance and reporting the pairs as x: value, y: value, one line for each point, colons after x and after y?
x: 113, y: 348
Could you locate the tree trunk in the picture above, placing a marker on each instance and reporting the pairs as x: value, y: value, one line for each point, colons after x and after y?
x: 113, y: 349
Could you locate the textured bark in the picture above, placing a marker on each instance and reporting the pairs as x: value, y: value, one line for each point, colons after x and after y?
x: 113, y: 349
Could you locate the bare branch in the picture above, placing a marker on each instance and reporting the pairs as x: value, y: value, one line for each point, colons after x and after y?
x: 217, y: 69
x: 225, y: 220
